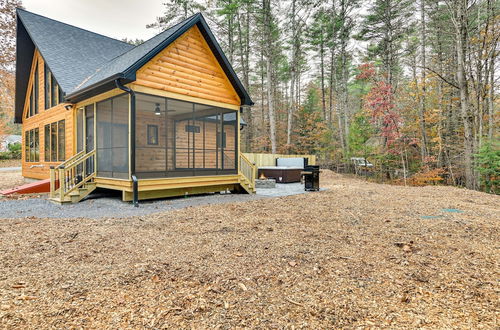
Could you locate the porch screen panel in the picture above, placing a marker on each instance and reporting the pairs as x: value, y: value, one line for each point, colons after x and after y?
x: 120, y: 137
x: 229, y: 137
x: 151, y: 140
x: 79, y: 130
x: 181, y: 146
x: 112, y: 137
x: 207, y: 152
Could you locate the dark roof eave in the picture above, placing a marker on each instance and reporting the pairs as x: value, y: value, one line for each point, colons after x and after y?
x: 95, y: 89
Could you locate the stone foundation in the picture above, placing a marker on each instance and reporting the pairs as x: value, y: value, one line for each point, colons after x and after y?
x: 265, y: 183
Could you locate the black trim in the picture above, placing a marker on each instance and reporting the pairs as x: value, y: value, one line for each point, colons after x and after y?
x: 25, y: 49
x: 135, y: 189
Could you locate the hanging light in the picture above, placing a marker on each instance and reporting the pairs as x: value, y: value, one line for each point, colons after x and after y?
x: 157, y: 109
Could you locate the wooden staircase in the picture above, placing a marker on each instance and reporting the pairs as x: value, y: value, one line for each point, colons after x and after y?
x: 73, y: 180
x: 247, y: 174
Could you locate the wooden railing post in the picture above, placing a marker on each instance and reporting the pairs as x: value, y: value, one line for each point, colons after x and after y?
x: 62, y: 183
x: 84, y: 169
x: 52, y: 181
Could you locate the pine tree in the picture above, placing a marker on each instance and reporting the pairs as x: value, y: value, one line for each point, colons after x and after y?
x: 385, y: 27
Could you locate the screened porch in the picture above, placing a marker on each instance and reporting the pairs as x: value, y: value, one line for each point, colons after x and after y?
x: 173, y: 138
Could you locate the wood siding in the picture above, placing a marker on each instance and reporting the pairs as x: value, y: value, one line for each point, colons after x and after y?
x: 188, y: 67
x: 54, y: 114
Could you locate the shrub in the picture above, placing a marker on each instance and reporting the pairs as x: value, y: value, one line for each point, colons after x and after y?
x: 488, y: 166
x: 13, y: 153
x: 5, y: 155
x: 426, y: 177
x: 15, y: 150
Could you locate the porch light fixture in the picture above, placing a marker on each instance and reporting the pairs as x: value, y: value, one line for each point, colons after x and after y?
x: 68, y: 106
x: 157, y: 109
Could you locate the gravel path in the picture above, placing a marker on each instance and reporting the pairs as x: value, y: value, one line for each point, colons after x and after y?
x: 100, y: 207
x: 9, y: 169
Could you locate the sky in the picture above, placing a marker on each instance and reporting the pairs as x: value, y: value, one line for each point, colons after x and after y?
x: 113, y: 18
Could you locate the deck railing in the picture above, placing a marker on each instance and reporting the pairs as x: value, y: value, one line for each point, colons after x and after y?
x: 248, y: 170
x: 72, y: 174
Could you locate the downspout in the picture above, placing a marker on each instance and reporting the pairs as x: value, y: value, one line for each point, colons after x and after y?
x: 135, y: 185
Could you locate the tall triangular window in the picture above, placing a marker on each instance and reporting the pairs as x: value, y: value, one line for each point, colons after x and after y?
x: 52, y: 91
x: 33, y: 101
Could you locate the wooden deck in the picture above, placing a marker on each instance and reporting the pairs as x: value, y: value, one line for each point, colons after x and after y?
x: 170, y: 187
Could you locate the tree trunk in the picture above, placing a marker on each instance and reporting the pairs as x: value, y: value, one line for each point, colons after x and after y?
x: 322, y: 59
x: 461, y: 41
x: 269, y: 66
x: 423, y: 133
x: 291, y: 107
x: 290, y: 110
x: 491, y: 98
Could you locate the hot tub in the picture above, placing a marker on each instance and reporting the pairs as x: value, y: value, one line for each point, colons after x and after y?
x: 282, y: 174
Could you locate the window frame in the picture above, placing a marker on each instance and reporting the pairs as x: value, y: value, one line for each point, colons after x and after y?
x: 52, y: 147
x: 152, y: 140
x: 33, y: 98
x: 46, y: 89
x: 32, y: 145
x: 52, y: 90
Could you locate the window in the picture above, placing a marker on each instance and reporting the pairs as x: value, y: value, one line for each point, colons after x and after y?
x: 47, y: 86
x: 52, y: 91
x: 55, y: 141
x: 31, y: 146
x: 192, y: 129
x: 33, y: 102
x: 153, y: 135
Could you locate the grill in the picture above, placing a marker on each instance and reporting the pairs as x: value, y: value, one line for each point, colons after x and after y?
x: 311, y: 178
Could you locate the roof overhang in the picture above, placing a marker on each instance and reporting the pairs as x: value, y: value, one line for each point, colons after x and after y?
x: 25, y: 49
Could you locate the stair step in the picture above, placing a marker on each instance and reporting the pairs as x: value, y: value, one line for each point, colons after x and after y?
x: 58, y: 200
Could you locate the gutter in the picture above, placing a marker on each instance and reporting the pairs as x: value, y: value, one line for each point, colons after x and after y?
x: 135, y: 182
x: 75, y: 97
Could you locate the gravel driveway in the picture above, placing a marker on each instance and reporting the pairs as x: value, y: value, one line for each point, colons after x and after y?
x: 99, y: 206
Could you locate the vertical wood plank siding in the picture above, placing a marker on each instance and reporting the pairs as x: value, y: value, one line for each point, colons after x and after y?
x: 188, y: 67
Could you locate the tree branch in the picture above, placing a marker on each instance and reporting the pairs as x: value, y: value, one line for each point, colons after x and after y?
x: 441, y: 77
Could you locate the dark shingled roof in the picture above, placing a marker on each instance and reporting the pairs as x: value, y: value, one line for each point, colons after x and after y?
x: 86, y: 64
x: 70, y: 52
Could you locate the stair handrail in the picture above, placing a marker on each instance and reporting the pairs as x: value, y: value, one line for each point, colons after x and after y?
x: 72, y: 174
x: 248, y: 169
x: 71, y: 160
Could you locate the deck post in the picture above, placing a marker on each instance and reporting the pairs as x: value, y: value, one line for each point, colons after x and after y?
x: 52, y: 181
x: 62, y: 183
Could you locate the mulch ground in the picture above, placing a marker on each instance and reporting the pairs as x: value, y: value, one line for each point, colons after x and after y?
x: 357, y: 255
x: 10, y: 180
x: 10, y: 162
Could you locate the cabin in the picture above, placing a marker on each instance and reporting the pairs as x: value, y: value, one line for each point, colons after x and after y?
x: 155, y: 120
